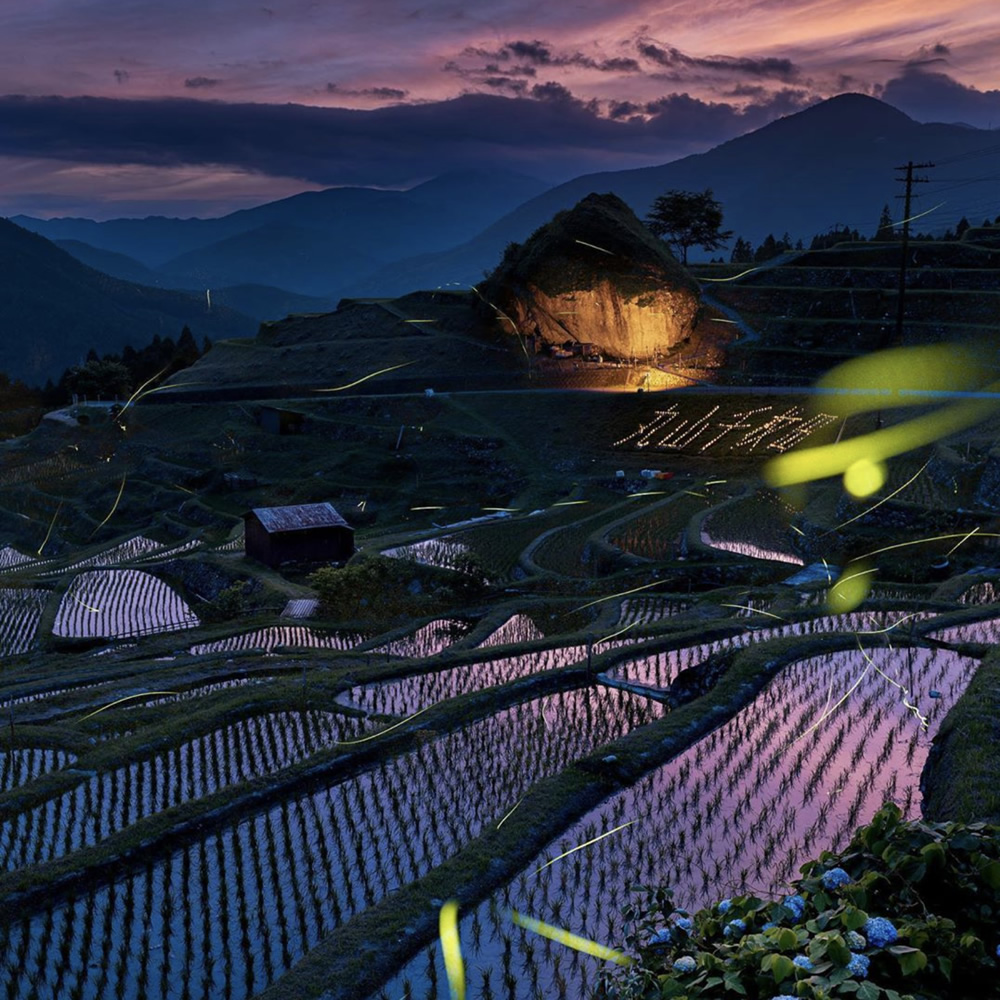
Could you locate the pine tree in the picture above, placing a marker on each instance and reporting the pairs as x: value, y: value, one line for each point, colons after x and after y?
x: 742, y: 252
x: 885, y: 231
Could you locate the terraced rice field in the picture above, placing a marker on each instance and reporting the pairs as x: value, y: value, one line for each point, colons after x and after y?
x: 20, y: 611
x: 737, y: 812
x: 21, y: 765
x: 115, y: 603
x: 291, y: 636
x: 107, y: 803
x: 225, y: 916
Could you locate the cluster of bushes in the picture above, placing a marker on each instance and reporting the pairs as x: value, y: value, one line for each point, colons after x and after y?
x: 909, y: 911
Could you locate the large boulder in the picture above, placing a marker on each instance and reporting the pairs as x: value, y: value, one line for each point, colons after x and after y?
x: 596, y: 275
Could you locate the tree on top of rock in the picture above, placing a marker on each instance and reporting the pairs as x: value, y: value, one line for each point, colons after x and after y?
x: 688, y: 219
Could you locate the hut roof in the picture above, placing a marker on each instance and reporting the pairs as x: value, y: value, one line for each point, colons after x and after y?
x: 299, y: 517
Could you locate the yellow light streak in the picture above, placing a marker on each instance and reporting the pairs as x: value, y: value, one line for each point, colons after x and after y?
x: 594, y: 246
x: 921, y: 214
x: 742, y: 274
x: 118, y: 498
x: 365, y: 378
x: 691, y: 493
x: 611, y: 597
x: 715, y: 482
x: 613, y: 634
x: 925, y: 541
x: 716, y: 319
x: 648, y: 493
x: 128, y: 697
x: 509, y: 510
x: 177, y: 486
x: 48, y: 533
x: 967, y: 537
x: 135, y: 395
x: 419, y: 320
x: 83, y: 604
x: 864, y: 477
x: 569, y: 503
x: 427, y: 508
x: 381, y: 732
x: 451, y: 947
x: 574, y: 941
x: 912, y: 707
x: 580, y: 847
x: 826, y: 714
x: 889, y: 628
x: 798, y: 531
x: 510, y: 813
x: 756, y: 611
x: 882, y: 501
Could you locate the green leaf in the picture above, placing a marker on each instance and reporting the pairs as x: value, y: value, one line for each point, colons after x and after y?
x: 787, y: 939
x: 867, y: 990
x: 838, y: 950
x: 853, y: 918
x: 782, y: 968
x: 734, y: 985
x: 912, y: 962
x: 944, y: 964
x: 991, y: 874
x: 933, y: 853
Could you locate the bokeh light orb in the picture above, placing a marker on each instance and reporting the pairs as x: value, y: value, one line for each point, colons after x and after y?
x: 864, y: 477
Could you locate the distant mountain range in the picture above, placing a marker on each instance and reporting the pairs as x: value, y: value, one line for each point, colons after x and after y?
x: 832, y: 164
x: 314, y: 243
x: 53, y: 309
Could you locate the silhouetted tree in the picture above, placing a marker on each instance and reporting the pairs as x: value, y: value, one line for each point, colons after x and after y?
x: 885, y: 229
x: 687, y: 219
x: 742, y: 251
x: 963, y: 224
x: 99, y: 378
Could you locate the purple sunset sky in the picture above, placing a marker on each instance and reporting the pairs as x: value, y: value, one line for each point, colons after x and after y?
x: 131, y: 107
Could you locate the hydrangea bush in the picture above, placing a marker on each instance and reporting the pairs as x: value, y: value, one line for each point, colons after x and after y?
x: 909, y: 911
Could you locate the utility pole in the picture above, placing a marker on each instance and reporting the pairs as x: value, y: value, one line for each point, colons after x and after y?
x: 909, y: 180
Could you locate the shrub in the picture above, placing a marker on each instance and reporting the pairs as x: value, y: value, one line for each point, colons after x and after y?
x: 909, y: 911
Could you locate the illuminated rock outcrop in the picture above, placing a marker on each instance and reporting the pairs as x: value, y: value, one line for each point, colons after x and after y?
x: 595, y: 275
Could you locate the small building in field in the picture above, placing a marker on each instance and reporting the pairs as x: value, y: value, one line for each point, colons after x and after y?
x: 306, y: 533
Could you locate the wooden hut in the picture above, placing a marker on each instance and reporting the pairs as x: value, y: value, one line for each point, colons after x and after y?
x: 308, y: 533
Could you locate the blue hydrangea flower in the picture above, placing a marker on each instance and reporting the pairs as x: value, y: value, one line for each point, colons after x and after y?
x: 858, y: 965
x: 724, y: 905
x: 880, y: 932
x: 735, y: 928
x: 796, y: 904
x: 684, y: 923
x: 855, y: 941
x: 784, y: 996
x: 685, y: 964
x: 835, y: 877
x: 769, y: 925
x: 803, y: 962
x: 661, y: 936
x: 998, y: 951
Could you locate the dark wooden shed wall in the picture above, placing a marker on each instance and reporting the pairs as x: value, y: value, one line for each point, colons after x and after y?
x: 325, y: 544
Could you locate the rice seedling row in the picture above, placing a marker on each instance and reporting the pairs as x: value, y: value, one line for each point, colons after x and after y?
x: 21, y: 765
x: 115, y: 603
x: 428, y: 640
x: 20, y: 612
x: 987, y: 631
x: 662, y: 669
x: 739, y: 811
x: 303, y: 607
x: 281, y: 635
x: 443, y: 552
x: 517, y: 628
x: 110, y: 802
x: 201, y: 691
x: 127, y: 551
x: 986, y: 592
x: 659, y: 534
x: 227, y: 915
x: 11, y: 559
x: 756, y: 526
x: 407, y: 695
x: 648, y: 609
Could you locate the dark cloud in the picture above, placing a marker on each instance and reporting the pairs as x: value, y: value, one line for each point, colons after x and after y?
x: 542, y: 54
x: 934, y: 96
x: 199, y: 82
x: 505, y: 83
x: 673, y: 59
x: 121, y: 75
x: 382, y: 93
x: 550, y: 133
